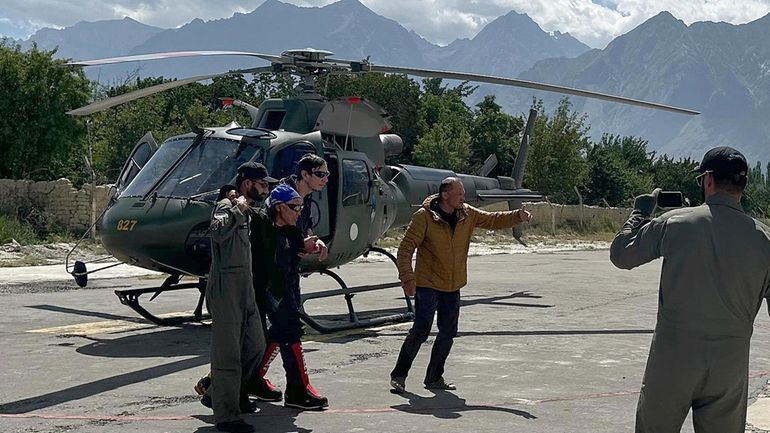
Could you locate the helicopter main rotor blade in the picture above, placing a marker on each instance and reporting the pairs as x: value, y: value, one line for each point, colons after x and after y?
x: 173, y: 55
x: 464, y: 76
x: 147, y: 91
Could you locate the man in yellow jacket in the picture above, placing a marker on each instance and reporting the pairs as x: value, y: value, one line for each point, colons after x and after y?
x: 441, y: 232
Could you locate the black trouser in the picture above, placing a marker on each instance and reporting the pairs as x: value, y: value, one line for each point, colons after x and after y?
x: 286, y: 330
x: 428, y: 302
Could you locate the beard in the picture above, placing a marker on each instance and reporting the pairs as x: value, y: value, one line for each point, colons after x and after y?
x: 255, y: 195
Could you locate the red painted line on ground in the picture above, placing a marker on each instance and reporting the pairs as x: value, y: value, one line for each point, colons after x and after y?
x: 522, y: 402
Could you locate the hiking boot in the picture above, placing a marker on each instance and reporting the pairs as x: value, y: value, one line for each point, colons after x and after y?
x: 263, y: 389
x: 305, y: 399
x: 440, y: 384
x: 398, y: 384
x: 237, y: 426
x: 202, y: 385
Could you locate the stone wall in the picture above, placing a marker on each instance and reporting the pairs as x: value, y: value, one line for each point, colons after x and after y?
x: 58, y: 200
x: 72, y: 208
x: 550, y: 216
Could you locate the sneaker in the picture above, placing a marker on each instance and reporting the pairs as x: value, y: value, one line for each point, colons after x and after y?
x: 398, y: 384
x: 305, y: 400
x: 262, y: 389
x: 202, y: 385
x: 440, y: 384
x: 237, y: 426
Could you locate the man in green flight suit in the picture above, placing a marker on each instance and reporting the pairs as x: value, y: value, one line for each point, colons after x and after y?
x: 237, y: 340
x: 715, y: 274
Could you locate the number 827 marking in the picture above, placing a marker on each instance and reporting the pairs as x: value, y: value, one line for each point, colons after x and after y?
x: 126, y: 225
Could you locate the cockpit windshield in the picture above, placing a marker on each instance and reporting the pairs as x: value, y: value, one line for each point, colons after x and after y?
x: 200, y: 173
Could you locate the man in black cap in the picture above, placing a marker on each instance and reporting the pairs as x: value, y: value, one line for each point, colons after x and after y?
x: 237, y: 339
x: 715, y: 274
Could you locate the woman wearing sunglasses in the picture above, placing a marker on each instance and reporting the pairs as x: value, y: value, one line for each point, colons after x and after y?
x: 282, y: 244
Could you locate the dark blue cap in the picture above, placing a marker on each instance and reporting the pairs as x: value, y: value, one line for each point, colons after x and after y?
x: 283, y: 194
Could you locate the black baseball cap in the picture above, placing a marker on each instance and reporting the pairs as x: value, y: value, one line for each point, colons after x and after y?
x: 723, y: 160
x: 255, y: 170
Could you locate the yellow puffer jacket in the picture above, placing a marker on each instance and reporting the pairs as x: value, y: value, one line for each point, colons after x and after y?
x: 442, y: 256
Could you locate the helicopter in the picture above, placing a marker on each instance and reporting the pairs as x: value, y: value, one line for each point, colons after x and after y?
x: 159, y: 211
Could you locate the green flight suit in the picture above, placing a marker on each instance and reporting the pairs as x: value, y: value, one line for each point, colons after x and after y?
x: 716, y: 272
x: 237, y: 339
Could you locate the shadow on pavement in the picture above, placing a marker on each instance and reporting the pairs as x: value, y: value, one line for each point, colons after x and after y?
x: 99, y: 386
x: 166, y: 342
x: 271, y: 418
x: 446, y: 405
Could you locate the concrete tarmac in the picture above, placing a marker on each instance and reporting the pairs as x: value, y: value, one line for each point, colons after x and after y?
x: 547, y: 343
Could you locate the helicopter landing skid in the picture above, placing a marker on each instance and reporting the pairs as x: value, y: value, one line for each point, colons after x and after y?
x: 130, y: 298
x: 355, y: 319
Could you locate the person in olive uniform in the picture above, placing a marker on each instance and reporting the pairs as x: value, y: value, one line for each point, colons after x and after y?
x: 282, y: 244
x: 715, y: 274
x: 237, y: 339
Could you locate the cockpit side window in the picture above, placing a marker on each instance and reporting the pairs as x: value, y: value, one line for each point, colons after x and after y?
x: 285, y: 162
x: 356, y: 182
x: 167, y: 153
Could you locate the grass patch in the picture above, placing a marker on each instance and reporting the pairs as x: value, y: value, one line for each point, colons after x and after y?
x: 13, y: 229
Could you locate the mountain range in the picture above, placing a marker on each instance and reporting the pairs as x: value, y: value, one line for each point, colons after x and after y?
x: 720, y: 69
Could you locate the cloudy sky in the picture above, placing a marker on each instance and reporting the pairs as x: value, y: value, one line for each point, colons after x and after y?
x: 595, y: 22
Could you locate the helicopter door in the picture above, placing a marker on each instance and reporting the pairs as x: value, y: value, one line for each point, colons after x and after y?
x: 137, y: 159
x: 354, y: 222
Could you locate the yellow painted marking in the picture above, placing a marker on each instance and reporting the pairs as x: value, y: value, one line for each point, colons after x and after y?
x: 104, y: 327
x: 112, y: 326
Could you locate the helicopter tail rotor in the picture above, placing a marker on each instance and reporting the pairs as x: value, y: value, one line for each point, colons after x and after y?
x: 518, y: 168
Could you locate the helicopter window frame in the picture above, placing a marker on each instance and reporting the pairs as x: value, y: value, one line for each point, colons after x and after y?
x: 168, y: 152
x: 216, y: 165
x: 356, y: 189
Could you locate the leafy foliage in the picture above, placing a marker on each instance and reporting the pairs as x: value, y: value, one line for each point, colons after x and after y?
x: 37, y: 139
x: 556, y: 164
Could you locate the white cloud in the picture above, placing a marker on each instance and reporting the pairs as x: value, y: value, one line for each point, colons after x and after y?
x: 595, y: 22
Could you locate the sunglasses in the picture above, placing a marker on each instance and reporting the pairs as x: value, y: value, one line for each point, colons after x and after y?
x: 295, y: 207
x: 321, y: 174
x: 699, y: 178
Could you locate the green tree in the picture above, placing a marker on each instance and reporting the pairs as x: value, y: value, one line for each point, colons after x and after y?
x: 618, y: 170
x: 556, y: 162
x: 671, y: 175
x: 444, y: 123
x: 37, y: 139
x: 494, y: 132
x: 756, y: 197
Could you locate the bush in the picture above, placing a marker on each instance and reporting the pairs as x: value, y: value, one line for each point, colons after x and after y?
x: 11, y: 228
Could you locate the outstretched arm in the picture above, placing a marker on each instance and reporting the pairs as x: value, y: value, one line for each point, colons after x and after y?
x: 413, y: 237
x: 498, y: 220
